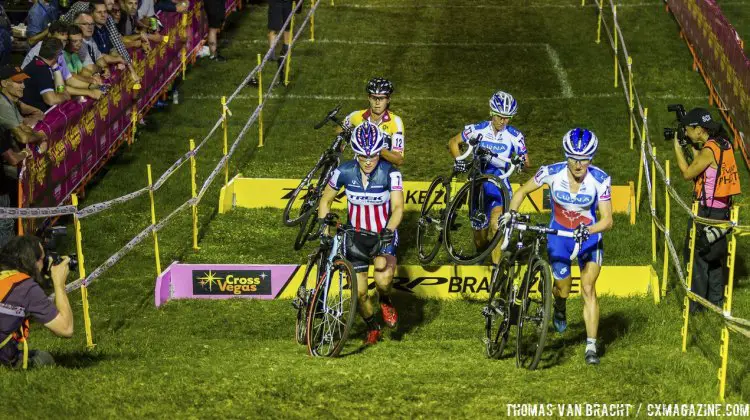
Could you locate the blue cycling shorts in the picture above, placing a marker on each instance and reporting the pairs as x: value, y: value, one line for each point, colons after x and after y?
x: 559, y: 249
x: 493, y: 197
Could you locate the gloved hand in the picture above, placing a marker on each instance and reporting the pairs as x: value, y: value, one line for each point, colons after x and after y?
x: 460, y: 166
x: 506, y: 218
x: 518, y: 160
x: 581, y: 233
x: 386, y: 238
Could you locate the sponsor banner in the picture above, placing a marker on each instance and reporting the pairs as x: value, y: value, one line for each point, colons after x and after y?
x: 225, y: 281
x: 720, y: 51
x: 274, y: 192
x: 81, y: 135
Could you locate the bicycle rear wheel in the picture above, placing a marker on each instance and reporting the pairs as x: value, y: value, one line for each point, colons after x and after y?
x: 464, y: 218
x: 302, y: 301
x: 497, y: 311
x: 307, y: 194
x: 535, y: 314
x: 332, y: 310
x: 430, y: 224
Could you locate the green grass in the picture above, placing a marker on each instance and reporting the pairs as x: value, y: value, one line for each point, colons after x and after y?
x: 237, y: 358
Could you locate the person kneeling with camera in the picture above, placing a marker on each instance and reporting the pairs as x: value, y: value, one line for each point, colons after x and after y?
x: 714, y: 171
x: 23, y: 263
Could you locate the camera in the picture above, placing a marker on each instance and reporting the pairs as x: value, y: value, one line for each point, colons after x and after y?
x: 53, y: 258
x: 679, y: 131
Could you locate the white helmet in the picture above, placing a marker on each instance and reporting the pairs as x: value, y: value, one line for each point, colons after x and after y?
x: 503, y: 104
x: 580, y: 143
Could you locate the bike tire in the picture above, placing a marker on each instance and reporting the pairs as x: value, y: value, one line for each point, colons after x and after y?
x: 497, y: 311
x: 306, y: 231
x: 431, y: 218
x: 303, y: 294
x: 311, y: 196
x: 327, y: 330
x: 535, y: 314
x: 452, y: 243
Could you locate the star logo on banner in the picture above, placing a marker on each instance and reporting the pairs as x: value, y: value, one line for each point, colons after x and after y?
x: 209, y: 279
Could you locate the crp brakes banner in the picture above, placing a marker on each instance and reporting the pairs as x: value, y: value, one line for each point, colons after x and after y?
x: 720, y: 51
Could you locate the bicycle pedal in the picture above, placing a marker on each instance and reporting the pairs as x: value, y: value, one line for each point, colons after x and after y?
x: 297, y: 303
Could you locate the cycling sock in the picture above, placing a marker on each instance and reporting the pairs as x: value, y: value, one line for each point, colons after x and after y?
x: 371, y: 323
x: 591, y: 344
x: 560, y: 304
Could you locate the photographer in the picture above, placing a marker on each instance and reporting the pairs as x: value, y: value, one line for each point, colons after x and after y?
x: 22, y: 261
x: 714, y: 171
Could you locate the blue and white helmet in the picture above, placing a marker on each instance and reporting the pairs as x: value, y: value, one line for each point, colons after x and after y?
x: 580, y: 144
x: 503, y: 104
x: 367, y: 139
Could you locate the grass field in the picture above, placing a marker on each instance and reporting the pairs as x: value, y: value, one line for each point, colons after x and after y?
x: 237, y: 358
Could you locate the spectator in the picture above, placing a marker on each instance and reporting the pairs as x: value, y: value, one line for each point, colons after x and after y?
x: 5, y: 37
x: 8, y: 185
x: 81, y: 67
x: 22, y: 261
x: 215, y: 14
x: 40, y: 87
x: 278, y: 12
x: 11, y: 90
x: 114, y: 36
x: 85, y: 22
x: 178, y: 6
x: 127, y: 23
x: 41, y: 15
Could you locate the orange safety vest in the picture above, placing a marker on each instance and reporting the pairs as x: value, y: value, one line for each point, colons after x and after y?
x: 7, y: 284
x: 727, y: 178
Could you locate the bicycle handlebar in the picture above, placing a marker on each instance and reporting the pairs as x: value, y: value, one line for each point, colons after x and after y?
x: 484, y: 150
x: 523, y: 225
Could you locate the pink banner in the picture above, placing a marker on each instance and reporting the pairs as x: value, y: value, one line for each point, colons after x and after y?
x: 83, y: 134
x: 720, y: 52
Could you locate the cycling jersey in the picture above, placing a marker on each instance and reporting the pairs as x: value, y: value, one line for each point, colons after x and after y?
x: 389, y: 124
x: 570, y: 210
x: 505, y: 143
x: 369, y: 206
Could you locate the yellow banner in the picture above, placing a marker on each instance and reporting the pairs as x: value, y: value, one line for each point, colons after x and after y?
x: 274, y: 192
x: 473, y: 281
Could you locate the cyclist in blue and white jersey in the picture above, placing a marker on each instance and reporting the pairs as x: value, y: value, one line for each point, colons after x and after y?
x: 506, y: 141
x: 374, y: 191
x: 577, y: 190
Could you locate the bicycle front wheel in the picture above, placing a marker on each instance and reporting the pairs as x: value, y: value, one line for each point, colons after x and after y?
x: 332, y: 310
x: 304, y: 199
x: 466, y: 220
x: 430, y: 224
x: 497, y: 311
x: 535, y: 314
x: 302, y: 301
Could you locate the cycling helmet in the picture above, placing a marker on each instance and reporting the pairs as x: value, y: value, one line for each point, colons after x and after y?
x: 503, y: 104
x: 379, y: 86
x: 580, y: 143
x: 367, y: 140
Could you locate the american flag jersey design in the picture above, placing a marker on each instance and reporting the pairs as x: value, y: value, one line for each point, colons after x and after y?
x: 369, y: 207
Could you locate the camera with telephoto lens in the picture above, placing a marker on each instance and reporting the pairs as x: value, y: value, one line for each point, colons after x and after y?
x: 679, y: 131
x: 52, y: 257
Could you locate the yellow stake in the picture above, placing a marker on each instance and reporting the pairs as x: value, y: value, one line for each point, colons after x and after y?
x: 640, y: 165
x: 82, y: 275
x: 632, y: 100
x: 288, y: 59
x: 617, y: 57
x: 260, y: 103
x: 583, y: 2
x: 153, y: 221
x: 184, y: 63
x: 667, y: 223
x: 225, y: 124
x: 194, y: 190
x: 600, y: 3
x: 724, y: 350
x: 653, y: 205
x: 312, y: 27
x: 332, y: 3
x: 686, y: 311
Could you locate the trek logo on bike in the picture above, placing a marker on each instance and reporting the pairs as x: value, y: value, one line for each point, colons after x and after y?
x: 232, y: 282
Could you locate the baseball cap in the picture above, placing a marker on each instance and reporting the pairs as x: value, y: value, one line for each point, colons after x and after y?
x: 13, y: 73
x: 699, y: 117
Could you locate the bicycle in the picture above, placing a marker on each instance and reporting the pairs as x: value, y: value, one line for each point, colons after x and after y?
x: 525, y: 302
x: 332, y: 306
x: 461, y: 245
x: 311, y: 187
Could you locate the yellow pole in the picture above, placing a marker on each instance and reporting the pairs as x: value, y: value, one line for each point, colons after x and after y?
x: 667, y: 222
x: 194, y: 190
x: 599, y: 25
x: 134, y: 116
x: 260, y: 102
x: 653, y: 205
x: 225, y: 124
x: 288, y: 58
x: 312, y: 27
x: 332, y: 3
x: 724, y: 350
x: 686, y: 310
x: 184, y: 62
x: 153, y: 221
x: 632, y: 100
x: 632, y: 202
x: 583, y: 3
x: 640, y: 166
x: 82, y: 275
x: 614, y: 29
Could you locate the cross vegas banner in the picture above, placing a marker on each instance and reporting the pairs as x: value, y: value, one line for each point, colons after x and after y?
x: 231, y: 282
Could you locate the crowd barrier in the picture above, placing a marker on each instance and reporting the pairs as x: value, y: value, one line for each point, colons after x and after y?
x: 719, y: 53
x: 648, y: 169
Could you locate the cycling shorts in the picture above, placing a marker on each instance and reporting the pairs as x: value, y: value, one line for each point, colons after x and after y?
x: 560, y: 248
x: 493, y: 197
x: 359, y: 246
